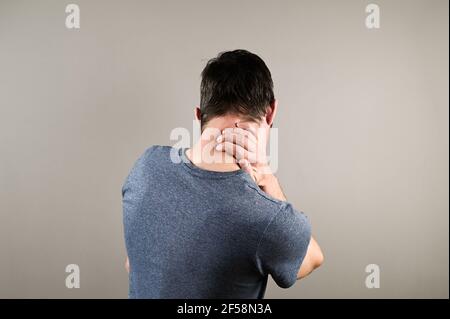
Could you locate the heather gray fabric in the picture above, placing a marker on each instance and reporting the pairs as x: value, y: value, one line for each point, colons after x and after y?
x: 192, y: 233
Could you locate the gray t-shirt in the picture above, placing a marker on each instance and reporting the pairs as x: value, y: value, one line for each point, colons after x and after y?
x: 193, y: 233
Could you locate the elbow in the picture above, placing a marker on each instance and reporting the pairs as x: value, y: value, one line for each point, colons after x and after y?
x: 317, y: 255
x: 318, y: 259
x: 312, y: 262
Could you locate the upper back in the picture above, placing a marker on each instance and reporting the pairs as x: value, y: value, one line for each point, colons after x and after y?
x: 192, y: 233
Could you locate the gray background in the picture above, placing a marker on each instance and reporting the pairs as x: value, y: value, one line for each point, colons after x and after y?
x: 363, y: 126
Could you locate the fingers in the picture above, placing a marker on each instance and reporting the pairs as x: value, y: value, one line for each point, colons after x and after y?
x: 239, y: 136
x: 260, y: 132
x: 242, y: 142
x: 237, y: 151
x: 250, y: 134
x: 248, y: 127
x: 249, y: 169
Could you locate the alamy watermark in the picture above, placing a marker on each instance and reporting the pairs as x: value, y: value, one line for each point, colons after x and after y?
x: 373, y: 279
x: 73, y: 279
x: 373, y: 17
x: 73, y: 17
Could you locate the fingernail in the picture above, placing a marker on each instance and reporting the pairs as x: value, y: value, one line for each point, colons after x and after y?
x: 219, y: 138
x: 218, y: 147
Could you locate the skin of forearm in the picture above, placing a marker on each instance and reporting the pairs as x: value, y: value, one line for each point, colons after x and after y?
x: 312, y: 261
x: 271, y: 186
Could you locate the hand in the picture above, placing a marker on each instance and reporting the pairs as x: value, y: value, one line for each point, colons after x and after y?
x: 247, y: 144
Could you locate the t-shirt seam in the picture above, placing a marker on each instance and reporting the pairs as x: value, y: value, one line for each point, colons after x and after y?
x: 206, y: 174
x: 199, y: 175
x: 273, y: 200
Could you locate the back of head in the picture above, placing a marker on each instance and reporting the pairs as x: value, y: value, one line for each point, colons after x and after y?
x: 235, y: 82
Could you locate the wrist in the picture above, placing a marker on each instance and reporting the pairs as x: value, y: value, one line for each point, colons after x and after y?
x: 271, y: 186
x: 267, y: 179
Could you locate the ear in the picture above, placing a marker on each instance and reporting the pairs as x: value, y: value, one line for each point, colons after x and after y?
x: 198, y: 113
x: 271, y: 112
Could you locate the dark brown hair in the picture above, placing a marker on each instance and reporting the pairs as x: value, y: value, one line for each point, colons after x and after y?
x: 235, y: 82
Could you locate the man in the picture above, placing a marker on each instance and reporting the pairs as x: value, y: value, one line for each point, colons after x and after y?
x: 212, y: 221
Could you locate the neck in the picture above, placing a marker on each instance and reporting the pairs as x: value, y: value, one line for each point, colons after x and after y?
x: 204, y: 155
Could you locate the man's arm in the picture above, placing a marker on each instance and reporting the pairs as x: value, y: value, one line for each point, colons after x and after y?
x: 314, y: 256
x: 312, y: 260
x: 242, y: 143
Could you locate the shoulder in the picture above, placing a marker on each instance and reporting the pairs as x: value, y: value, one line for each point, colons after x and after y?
x: 156, y: 150
x: 147, y: 160
x: 263, y: 201
x: 156, y: 153
x: 275, y: 213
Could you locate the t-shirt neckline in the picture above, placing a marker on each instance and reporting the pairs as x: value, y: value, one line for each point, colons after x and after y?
x: 203, y: 172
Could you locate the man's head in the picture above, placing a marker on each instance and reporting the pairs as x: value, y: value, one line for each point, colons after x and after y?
x: 236, y: 84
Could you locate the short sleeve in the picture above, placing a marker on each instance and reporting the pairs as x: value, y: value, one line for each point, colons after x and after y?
x: 283, y: 246
x: 137, y: 169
